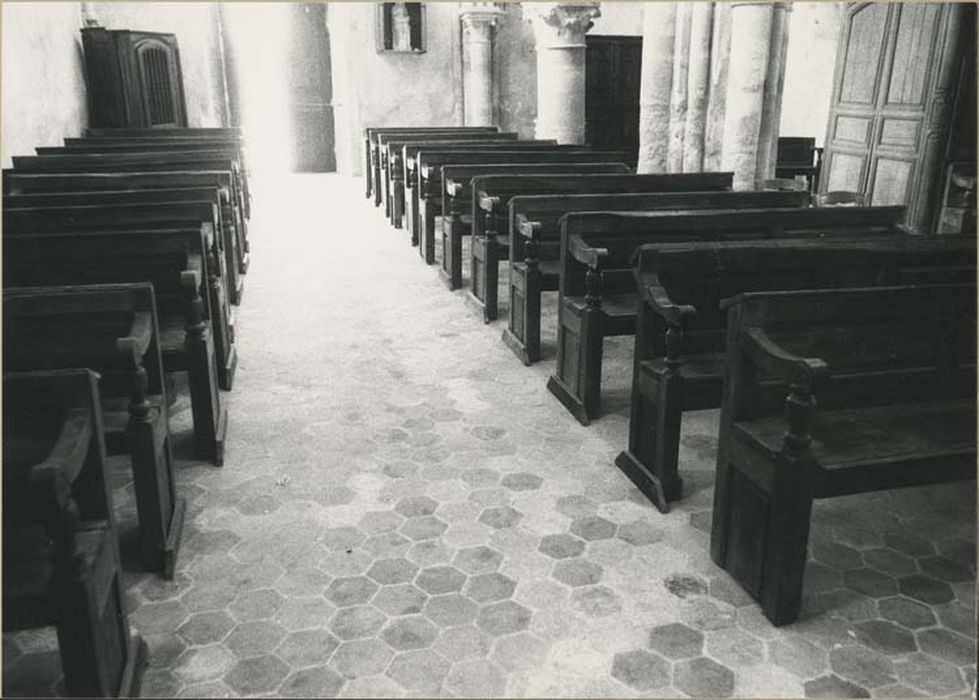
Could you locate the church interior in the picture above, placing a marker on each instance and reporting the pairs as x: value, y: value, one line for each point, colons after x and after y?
x: 610, y: 349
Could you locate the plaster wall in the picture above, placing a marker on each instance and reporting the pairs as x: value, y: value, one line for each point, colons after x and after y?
x: 380, y: 89
x: 516, y: 71
x: 814, y: 29
x: 195, y: 25
x: 44, y: 96
x: 619, y: 19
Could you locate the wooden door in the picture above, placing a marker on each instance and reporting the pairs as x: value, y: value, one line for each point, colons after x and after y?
x: 613, y: 67
x: 895, y: 79
x: 311, y: 90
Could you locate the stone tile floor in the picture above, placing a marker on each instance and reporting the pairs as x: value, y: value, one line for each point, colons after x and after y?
x: 406, y: 511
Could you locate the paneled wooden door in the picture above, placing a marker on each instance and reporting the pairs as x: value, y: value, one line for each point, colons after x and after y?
x: 894, y: 86
x: 613, y: 68
x: 311, y: 90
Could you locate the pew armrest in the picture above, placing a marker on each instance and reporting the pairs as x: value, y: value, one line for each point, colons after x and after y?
x: 140, y: 335
x: 487, y: 202
x: 655, y: 296
x: 810, y: 372
x: 586, y: 254
x: 528, y: 229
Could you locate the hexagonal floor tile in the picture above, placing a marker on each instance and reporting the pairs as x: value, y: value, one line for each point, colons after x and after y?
x: 486, y: 588
x: 391, y: 571
x: 357, y: 622
x: 261, y: 674
x: 404, y: 599
x: 351, y: 590
x: 676, y: 641
x: 414, y: 632
x: 477, y: 560
x: 577, y: 572
x: 704, y: 678
x: 640, y: 669
x: 504, y: 617
x: 440, y: 579
x: 312, y: 682
x: 307, y: 648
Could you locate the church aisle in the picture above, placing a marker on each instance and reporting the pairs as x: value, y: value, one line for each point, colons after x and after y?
x: 405, y: 510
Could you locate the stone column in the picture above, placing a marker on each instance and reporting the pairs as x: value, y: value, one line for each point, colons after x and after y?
x: 698, y: 74
x: 678, y: 90
x: 751, y: 36
x: 658, y: 38
x: 477, y: 81
x: 771, y: 113
x: 720, y: 51
x: 560, y: 33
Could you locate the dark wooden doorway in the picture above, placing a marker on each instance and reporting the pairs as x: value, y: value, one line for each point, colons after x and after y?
x: 897, y: 75
x: 613, y: 70
x: 311, y: 90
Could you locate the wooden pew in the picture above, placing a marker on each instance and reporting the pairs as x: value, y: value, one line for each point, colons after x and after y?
x: 831, y: 393
x: 397, y: 159
x: 597, y: 288
x: 535, y: 240
x: 172, y: 195
x: 378, y: 156
x: 163, y: 146
x: 429, y: 164
x: 15, y: 182
x: 176, y: 132
x: 372, y: 161
x: 179, y: 215
x: 678, y: 362
x: 458, y: 204
x: 409, y: 160
x: 385, y: 154
x: 61, y: 563
x: 492, y: 194
x: 145, y: 162
x: 111, y: 329
x: 174, y: 261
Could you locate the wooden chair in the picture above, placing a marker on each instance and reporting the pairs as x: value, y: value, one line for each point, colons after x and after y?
x: 832, y: 393
x: 60, y: 555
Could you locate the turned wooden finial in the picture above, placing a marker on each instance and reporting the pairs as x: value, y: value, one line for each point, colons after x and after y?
x: 593, y: 289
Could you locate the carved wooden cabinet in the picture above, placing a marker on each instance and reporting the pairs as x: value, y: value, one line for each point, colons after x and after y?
x: 898, y: 76
x: 134, y: 79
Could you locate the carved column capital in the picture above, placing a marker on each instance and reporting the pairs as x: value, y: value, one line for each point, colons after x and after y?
x: 478, y: 21
x: 563, y: 25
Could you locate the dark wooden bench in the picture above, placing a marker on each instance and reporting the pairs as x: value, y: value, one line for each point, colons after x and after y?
x: 163, y: 147
x: 597, y: 288
x: 410, y: 177
x: 163, y: 161
x: 179, y: 215
x: 395, y: 151
x: 679, y: 352
x: 15, y: 182
x: 171, y: 195
x: 535, y: 235
x: 492, y: 195
x: 390, y: 158
x: 174, y: 132
x: 372, y: 160
x: 831, y: 393
x: 458, y: 203
x: 61, y: 564
x: 174, y: 261
x: 429, y: 164
x: 111, y: 329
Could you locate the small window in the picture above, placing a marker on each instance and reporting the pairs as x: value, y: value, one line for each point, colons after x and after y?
x: 401, y: 27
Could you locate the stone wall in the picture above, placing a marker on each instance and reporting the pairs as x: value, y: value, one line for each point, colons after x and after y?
x: 814, y: 29
x: 43, y: 79
x: 44, y: 95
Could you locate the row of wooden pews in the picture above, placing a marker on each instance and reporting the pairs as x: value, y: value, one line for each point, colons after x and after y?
x: 124, y: 257
x: 839, y: 346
